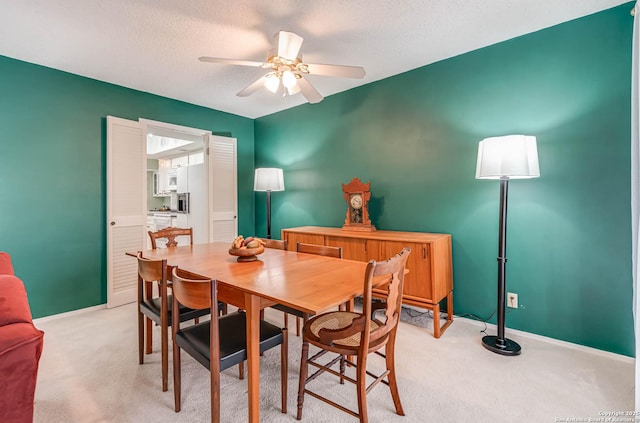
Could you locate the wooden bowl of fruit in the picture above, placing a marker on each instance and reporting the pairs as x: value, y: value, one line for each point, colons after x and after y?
x: 246, y: 249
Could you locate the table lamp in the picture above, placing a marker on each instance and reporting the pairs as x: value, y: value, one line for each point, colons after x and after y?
x: 268, y: 179
x: 504, y: 158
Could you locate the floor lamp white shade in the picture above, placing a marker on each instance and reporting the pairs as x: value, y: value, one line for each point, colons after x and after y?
x: 504, y: 158
x: 511, y: 156
x: 268, y: 179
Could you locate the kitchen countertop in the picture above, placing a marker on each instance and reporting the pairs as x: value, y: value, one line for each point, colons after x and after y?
x: 163, y: 212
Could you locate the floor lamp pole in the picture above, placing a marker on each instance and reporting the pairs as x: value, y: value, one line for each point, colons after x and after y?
x: 268, y: 214
x: 499, y: 344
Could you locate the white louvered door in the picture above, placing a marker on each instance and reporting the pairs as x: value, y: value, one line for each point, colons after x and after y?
x: 223, y: 192
x: 126, y: 207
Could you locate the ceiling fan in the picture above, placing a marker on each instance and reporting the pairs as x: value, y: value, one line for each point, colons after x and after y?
x: 287, y: 70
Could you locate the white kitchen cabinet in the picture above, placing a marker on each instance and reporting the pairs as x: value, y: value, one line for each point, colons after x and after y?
x: 164, y: 167
x: 157, y: 191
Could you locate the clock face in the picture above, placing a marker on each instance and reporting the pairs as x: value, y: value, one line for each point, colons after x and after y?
x: 356, y: 201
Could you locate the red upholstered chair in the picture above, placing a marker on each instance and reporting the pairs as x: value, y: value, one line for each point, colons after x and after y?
x: 6, y: 268
x: 20, y: 348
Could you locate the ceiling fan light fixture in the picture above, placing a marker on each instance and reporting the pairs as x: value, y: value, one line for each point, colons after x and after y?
x: 284, y: 62
x: 289, y: 79
x: 272, y: 83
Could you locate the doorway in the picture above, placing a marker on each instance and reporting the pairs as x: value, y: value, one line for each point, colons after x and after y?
x: 129, y: 181
x: 177, y: 184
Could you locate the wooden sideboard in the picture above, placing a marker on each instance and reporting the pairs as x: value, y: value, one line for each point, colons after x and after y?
x: 430, y: 277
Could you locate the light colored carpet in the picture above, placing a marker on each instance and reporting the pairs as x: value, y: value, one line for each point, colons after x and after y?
x: 89, y: 372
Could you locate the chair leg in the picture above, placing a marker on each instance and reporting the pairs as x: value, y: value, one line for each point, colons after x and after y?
x: 241, y: 371
x: 393, y: 383
x: 362, y: 388
x: 342, y: 367
x: 297, y: 326
x: 176, y: 376
x: 304, y: 370
x: 164, y: 351
x: 196, y: 320
x: 284, y: 368
x: 149, y: 335
x: 140, y: 337
x: 215, y: 391
x: 286, y: 320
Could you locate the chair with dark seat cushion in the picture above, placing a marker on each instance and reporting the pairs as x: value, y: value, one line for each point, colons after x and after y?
x: 322, y: 250
x: 219, y: 343
x: 157, y: 309
x: 349, y: 334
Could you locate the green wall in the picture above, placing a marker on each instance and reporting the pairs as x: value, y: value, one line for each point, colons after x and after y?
x: 52, y: 176
x: 415, y: 137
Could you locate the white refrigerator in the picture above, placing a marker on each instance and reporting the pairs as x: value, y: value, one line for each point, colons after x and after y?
x: 193, y: 179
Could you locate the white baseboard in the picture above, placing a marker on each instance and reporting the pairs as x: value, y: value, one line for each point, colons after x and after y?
x: 564, y: 344
x: 68, y: 313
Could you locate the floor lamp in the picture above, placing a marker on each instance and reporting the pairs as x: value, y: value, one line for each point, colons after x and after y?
x: 268, y: 179
x: 504, y: 158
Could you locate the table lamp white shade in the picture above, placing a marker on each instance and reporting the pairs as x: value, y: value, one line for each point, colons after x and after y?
x: 268, y: 179
x: 510, y: 156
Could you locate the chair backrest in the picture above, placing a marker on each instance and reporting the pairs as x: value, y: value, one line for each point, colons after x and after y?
x: 150, y: 271
x: 193, y: 293
x: 276, y: 244
x: 6, y: 268
x: 321, y: 250
x: 170, y: 234
x: 393, y: 271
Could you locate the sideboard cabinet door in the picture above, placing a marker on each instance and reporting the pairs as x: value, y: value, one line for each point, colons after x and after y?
x: 352, y: 248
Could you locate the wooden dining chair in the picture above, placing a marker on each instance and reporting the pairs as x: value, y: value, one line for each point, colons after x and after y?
x: 157, y: 309
x: 350, y: 334
x: 321, y: 250
x: 276, y: 244
x: 219, y: 343
x: 170, y: 235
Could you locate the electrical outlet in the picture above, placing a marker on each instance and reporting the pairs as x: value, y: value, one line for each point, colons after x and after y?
x: 512, y: 300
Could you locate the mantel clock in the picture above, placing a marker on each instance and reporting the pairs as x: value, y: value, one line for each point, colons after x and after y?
x: 357, y: 195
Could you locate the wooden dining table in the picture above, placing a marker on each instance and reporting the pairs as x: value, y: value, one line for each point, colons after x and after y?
x: 305, y: 282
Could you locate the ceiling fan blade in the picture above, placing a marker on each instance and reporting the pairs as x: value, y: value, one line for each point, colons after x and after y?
x: 307, y: 90
x: 288, y: 44
x: 255, y: 86
x: 336, y: 70
x: 230, y: 61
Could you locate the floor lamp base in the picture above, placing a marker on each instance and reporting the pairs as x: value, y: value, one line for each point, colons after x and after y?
x: 505, y: 347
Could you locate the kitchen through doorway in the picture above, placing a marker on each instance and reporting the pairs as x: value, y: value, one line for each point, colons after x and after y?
x: 176, y: 181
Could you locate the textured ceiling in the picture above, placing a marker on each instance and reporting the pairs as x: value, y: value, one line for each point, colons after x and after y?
x: 154, y: 45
